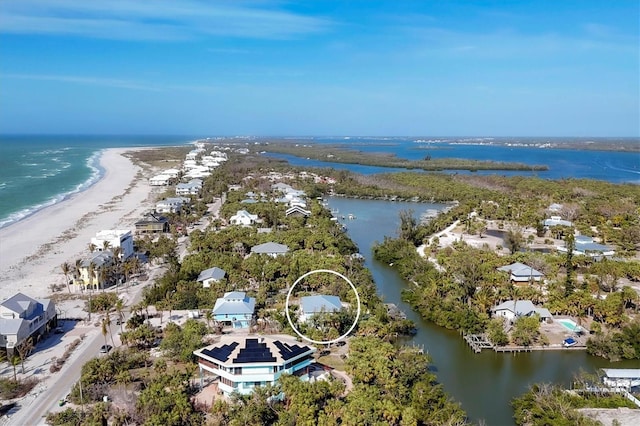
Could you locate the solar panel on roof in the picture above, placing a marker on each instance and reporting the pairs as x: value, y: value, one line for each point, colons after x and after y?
x: 290, y: 351
x: 221, y: 353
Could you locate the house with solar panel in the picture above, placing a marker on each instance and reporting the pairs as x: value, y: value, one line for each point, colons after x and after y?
x: 211, y: 275
x: 314, y: 305
x: 243, y: 363
x: 235, y: 308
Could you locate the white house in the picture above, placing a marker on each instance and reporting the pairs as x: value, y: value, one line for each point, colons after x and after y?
x: 626, y: 378
x: 115, y: 238
x: 193, y: 187
x: 172, y: 173
x: 160, y: 180
x: 243, y: 217
x: 172, y: 205
x: 297, y: 211
x: 211, y: 275
x: 270, y: 249
x: 521, y: 273
x: 22, y: 317
x: 235, y: 308
x: 556, y: 221
x: 512, y: 309
x: 313, y: 305
x: 243, y: 362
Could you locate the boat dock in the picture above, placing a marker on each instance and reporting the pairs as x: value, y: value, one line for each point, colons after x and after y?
x: 478, y: 342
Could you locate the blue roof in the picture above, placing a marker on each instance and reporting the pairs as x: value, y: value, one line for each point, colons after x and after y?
x: 234, y: 303
x: 320, y: 303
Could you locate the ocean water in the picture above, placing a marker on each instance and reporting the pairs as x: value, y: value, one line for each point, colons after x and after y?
x: 39, y: 171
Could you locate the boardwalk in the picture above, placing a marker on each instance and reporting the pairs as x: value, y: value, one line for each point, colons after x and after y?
x: 478, y: 342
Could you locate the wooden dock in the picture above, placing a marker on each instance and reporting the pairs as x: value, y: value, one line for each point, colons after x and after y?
x: 478, y: 342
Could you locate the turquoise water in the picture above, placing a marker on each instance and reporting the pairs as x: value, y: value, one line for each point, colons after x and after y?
x: 38, y: 171
x: 569, y: 325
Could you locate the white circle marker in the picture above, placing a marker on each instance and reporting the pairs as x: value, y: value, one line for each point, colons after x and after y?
x: 322, y: 342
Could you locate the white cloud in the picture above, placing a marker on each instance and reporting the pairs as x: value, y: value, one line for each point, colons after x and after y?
x: 155, y: 20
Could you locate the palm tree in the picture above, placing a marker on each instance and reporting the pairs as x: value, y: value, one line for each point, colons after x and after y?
x: 92, y: 247
x: 107, y: 321
x: 76, y: 272
x: 104, y: 330
x: 106, y: 245
x: 66, y: 268
x: 14, y: 360
x: 119, y: 309
x: 104, y: 275
x: 91, y: 271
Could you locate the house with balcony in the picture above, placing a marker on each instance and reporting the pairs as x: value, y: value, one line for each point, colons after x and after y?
x: 93, y: 270
x: 22, y: 317
x: 152, y: 223
x: 172, y: 204
x: 122, y: 238
x: 243, y: 363
x: 193, y: 187
x: 235, y: 308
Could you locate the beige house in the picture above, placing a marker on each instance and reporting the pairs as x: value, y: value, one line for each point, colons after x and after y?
x: 98, y: 262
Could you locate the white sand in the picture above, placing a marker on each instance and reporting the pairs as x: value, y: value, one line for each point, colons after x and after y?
x: 32, y: 250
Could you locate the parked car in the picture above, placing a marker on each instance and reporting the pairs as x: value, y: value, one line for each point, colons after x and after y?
x: 105, y: 348
x: 58, y: 330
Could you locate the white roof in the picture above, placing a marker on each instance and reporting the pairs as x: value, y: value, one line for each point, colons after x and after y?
x: 622, y: 373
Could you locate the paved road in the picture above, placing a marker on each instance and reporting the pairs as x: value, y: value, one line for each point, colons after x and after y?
x: 35, y: 407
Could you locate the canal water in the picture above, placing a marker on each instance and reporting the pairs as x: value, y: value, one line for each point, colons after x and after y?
x: 483, y: 383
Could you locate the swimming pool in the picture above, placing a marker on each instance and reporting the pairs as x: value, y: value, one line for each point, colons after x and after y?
x: 569, y: 324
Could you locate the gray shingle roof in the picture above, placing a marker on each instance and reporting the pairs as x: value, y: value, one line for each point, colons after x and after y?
x: 270, y: 248
x: 212, y: 273
x: 521, y: 270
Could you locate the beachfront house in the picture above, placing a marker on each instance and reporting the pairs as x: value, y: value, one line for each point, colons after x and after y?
x: 152, y: 223
x: 94, y: 270
x: 160, y: 180
x: 244, y: 218
x: 521, y: 273
x: 211, y: 275
x: 513, y: 309
x: 243, y: 363
x: 22, y: 317
x: 172, y: 204
x: 585, y: 246
x: 314, y: 305
x: 193, y: 187
x: 235, y: 308
x: 270, y: 249
x: 112, y: 238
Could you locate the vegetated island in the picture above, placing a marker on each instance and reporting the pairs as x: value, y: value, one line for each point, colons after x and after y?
x: 339, y: 154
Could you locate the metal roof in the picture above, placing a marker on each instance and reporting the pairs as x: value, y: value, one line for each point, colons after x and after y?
x: 270, y: 248
x: 320, y: 303
x: 212, y: 273
x: 234, y: 303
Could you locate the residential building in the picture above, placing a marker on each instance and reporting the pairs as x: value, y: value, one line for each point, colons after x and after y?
x: 160, y: 180
x: 512, y: 309
x: 521, y: 273
x: 94, y: 269
x: 172, y: 205
x: 193, y: 187
x: 313, y: 305
x: 235, y: 308
x: 22, y: 317
x: 211, y: 275
x: 270, y: 249
x: 625, y: 378
x: 243, y: 363
x: 297, y: 211
x: 122, y: 238
x: 586, y: 246
x: 556, y: 221
x: 152, y: 223
x: 244, y: 218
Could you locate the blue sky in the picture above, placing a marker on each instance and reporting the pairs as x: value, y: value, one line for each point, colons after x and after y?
x: 359, y: 67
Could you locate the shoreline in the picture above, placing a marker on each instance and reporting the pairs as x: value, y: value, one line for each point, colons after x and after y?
x: 33, y: 248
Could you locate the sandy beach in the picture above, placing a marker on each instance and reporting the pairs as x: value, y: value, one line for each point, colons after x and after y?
x: 32, y: 250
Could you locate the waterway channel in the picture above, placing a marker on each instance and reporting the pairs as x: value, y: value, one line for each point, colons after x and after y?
x: 483, y: 383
